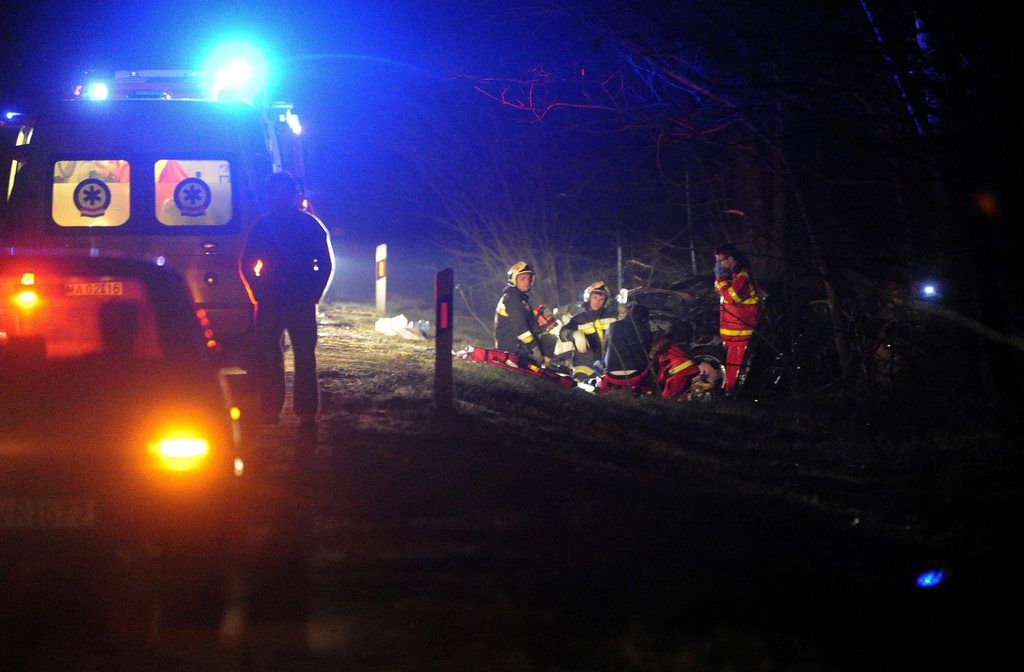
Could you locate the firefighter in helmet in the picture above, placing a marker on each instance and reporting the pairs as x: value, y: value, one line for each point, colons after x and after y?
x: 515, y: 325
x: 587, y: 330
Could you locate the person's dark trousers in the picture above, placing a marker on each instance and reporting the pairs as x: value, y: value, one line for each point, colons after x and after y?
x: 299, y: 320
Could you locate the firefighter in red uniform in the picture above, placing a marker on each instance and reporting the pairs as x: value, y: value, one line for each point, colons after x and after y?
x: 673, y: 367
x: 739, y: 308
x: 676, y: 371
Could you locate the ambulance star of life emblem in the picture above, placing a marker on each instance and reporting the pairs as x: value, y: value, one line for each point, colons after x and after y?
x: 92, y: 197
x: 192, y: 197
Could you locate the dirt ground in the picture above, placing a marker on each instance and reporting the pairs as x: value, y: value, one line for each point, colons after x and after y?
x: 529, y: 527
x: 470, y: 539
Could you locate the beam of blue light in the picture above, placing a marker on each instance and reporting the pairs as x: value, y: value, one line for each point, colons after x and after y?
x: 356, y: 57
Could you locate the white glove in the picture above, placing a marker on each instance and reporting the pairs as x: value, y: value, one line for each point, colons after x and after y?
x: 580, y: 341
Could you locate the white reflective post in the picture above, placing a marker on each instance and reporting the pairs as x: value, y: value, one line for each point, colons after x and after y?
x: 382, y: 279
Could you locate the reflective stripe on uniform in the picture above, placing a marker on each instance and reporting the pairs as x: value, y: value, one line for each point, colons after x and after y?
x: 526, y: 337
x: 680, y: 367
x: 736, y: 332
x: 602, y: 326
x: 736, y: 297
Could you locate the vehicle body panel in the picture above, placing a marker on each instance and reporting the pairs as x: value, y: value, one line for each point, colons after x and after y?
x: 79, y: 468
x: 223, y: 153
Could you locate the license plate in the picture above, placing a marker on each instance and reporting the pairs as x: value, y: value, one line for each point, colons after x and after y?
x: 109, y: 288
x: 47, y: 513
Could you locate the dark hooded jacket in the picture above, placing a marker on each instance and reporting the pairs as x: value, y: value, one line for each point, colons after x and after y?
x: 629, y: 341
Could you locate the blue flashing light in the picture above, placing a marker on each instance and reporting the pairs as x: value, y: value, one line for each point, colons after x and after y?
x: 97, y: 91
x: 240, y: 70
x: 233, y: 79
x: 9, y: 116
x: 929, y: 291
x: 930, y: 578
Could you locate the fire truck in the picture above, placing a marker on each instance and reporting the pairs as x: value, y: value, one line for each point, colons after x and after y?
x: 163, y: 165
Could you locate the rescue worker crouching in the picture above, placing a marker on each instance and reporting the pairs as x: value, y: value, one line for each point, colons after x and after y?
x: 587, y: 331
x: 516, y: 330
x: 679, y: 376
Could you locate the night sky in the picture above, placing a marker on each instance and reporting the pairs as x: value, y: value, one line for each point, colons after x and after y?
x: 358, y: 72
x: 377, y: 87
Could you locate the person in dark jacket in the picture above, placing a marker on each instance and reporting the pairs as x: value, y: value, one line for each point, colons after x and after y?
x: 516, y: 330
x: 627, y: 354
x: 587, y: 330
x: 287, y: 264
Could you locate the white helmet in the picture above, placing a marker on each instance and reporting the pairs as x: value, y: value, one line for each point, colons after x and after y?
x: 596, y: 287
x: 518, y: 269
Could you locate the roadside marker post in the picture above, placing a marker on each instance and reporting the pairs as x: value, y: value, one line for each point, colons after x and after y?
x: 444, y: 286
x: 381, y: 259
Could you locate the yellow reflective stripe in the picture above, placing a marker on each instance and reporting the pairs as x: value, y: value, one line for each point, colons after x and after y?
x: 736, y: 297
x: 585, y: 370
x: 736, y: 332
x: 680, y: 367
x: 602, y: 326
x: 588, y: 328
x: 526, y: 337
x: 501, y: 308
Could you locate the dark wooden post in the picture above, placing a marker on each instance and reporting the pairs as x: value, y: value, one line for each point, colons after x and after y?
x: 444, y: 285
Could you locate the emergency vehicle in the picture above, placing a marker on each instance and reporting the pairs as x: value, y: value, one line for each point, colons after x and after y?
x: 164, y: 165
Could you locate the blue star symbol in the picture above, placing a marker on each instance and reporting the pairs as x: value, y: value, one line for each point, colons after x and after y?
x: 92, y: 195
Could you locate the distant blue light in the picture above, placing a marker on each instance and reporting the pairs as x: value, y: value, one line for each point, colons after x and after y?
x: 929, y: 291
x: 12, y: 115
x: 930, y: 578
